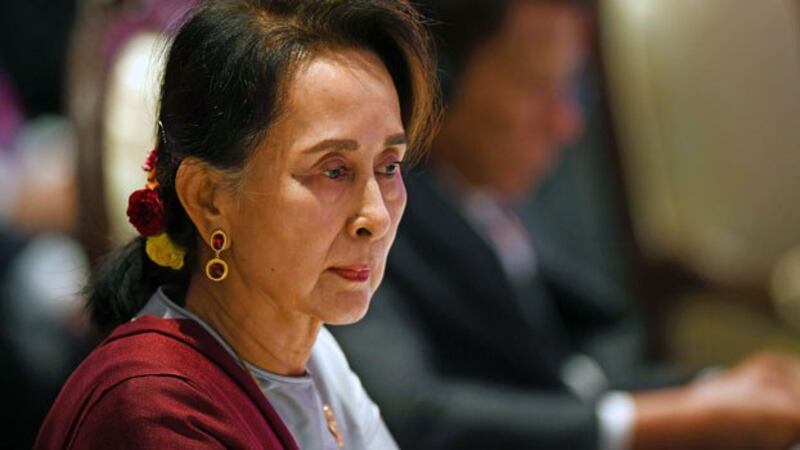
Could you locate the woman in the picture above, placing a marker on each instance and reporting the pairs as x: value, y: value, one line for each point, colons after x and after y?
x: 272, y: 198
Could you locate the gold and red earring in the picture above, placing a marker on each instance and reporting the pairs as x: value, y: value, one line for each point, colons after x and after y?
x: 216, y: 268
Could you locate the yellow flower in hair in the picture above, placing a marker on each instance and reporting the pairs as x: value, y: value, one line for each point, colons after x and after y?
x: 164, y: 252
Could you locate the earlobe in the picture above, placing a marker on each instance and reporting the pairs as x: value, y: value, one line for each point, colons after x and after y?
x: 199, y: 188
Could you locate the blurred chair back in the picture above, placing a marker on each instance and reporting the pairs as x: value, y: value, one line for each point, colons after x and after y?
x: 706, y: 98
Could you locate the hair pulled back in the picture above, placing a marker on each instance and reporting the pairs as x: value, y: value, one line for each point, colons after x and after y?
x: 224, y: 85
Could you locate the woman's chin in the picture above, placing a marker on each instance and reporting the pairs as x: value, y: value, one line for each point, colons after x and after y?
x: 347, y: 309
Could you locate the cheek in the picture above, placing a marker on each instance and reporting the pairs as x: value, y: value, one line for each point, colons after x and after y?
x: 321, y: 187
x: 395, y: 197
x: 280, y: 243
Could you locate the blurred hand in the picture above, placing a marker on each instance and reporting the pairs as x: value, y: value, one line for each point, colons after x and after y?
x: 755, y: 405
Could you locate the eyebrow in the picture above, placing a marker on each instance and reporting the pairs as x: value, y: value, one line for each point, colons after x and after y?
x: 396, y: 139
x: 352, y: 145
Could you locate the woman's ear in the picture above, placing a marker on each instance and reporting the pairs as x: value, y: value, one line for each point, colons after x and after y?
x: 204, y: 195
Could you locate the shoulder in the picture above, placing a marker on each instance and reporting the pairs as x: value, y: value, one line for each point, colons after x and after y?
x: 135, y: 367
x: 136, y: 407
x: 150, y: 386
x: 108, y: 395
x: 149, y: 412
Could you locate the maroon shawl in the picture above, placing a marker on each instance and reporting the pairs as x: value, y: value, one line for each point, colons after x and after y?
x: 162, y: 383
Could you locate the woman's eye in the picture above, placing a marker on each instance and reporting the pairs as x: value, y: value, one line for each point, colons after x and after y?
x: 392, y: 169
x: 335, y: 173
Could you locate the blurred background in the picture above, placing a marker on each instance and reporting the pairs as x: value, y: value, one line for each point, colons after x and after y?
x: 684, y: 187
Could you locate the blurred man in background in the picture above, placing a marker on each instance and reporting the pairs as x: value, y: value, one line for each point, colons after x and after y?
x: 43, y: 332
x: 483, y: 336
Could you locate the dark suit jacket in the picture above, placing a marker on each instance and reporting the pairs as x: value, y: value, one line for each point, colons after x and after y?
x: 162, y: 383
x: 460, y: 358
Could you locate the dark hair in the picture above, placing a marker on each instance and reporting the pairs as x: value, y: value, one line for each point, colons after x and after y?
x: 460, y: 26
x: 221, y: 91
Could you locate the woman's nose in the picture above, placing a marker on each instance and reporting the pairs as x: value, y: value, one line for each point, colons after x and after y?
x: 372, y: 219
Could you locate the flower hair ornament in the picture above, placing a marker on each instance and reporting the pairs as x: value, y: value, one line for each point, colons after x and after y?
x: 146, y: 214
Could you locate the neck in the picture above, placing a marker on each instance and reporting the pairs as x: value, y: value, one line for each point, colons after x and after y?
x: 260, y: 332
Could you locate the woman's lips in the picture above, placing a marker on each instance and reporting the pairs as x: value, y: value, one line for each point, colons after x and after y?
x: 354, y: 273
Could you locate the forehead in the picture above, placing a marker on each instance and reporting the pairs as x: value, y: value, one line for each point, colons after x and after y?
x: 342, y: 93
x: 542, y: 37
x: 343, y: 79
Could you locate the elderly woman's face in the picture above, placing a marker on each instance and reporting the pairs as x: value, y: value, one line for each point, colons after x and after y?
x: 321, y: 198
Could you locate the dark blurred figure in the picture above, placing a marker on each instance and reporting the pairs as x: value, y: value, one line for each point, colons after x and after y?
x: 37, y: 257
x: 33, y: 44
x: 15, y: 412
x: 484, y: 335
x: 56, y: 59
x: 41, y: 266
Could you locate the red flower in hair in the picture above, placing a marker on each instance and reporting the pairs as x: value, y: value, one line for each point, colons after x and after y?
x: 150, y: 163
x: 146, y: 212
